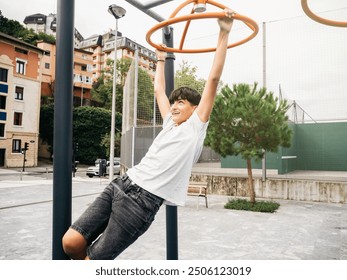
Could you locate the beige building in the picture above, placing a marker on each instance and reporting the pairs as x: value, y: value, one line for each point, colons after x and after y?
x: 20, y: 92
x: 83, y: 77
x: 27, y: 73
x: 83, y: 73
x: 48, y: 66
x: 103, y: 48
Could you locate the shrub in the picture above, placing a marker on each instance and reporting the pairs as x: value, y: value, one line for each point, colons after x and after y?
x: 258, y: 206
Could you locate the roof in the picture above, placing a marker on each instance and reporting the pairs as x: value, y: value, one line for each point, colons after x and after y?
x: 11, y: 39
x: 36, y: 18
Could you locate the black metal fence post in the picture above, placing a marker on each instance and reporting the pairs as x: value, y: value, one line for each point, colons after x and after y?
x: 63, y: 97
x: 171, y: 211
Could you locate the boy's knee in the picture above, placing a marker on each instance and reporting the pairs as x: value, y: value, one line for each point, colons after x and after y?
x: 74, y: 244
x: 68, y: 244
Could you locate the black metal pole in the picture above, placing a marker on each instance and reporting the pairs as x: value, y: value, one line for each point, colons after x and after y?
x: 62, y: 149
x: 24, y: 159
x: 171, y: 211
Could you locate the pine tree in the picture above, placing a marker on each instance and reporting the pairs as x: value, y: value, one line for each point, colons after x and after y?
x: 246, y: 121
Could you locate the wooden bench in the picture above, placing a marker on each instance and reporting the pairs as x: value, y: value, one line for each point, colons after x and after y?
x: 198, y: 189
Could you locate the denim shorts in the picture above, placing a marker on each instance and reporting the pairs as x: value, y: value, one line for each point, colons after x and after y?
x: 116, y: 218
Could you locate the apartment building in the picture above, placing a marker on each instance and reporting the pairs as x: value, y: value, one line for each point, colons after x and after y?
x: 147, y: 58
x: 83, y: 77
x: 83, y: 74
x: 20, y: 91
x: 103, y: 47
x: 93, y: 44
x: 48, y: 25
x: 100, y: 46
x: 48, y: 66
x: 27, y: 72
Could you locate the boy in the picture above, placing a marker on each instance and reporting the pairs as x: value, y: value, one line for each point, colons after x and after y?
x: 127, y: 206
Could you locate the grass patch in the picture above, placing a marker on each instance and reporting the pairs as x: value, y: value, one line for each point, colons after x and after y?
x: 258, y: 206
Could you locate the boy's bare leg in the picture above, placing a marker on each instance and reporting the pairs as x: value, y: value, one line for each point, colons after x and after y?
x: 75, y: 245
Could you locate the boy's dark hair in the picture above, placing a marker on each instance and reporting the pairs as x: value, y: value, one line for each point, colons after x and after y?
x: 185, y: 93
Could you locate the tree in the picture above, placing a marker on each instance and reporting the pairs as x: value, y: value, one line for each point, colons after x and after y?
x: 186, y: 76
x: 46, y: 125
x: 106, y: 143
x: 145, y: 98
x: 247, y: 121
x: 102, y: 92
x: 102, y: 89
x: 10, y: 27
x: 45, y: 37
x: 91, y: 128
x: 90, y: 125
x: 15, y: 29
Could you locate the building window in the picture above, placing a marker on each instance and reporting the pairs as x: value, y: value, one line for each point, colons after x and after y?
x: 17, y: 120
x: 77, y: 78
x: 21, y: 50
x: 19, y: 92
x: 2, y: 102
x: 47, y: 65
x: 16, y: 145
x: 3, y: 75
x: 20, y: 67
x: 83, y: 67
x: 2, y: 130
x: 47, y: 53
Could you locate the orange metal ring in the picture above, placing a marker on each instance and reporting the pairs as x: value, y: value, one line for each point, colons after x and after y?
x: 313, y: 16
x: 249, y: 22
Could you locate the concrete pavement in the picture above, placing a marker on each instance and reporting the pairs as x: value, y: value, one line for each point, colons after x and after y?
x: 297, y: 231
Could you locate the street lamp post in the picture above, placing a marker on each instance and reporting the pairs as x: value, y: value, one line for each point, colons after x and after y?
x: 81, y: 93
x: 117, y: 12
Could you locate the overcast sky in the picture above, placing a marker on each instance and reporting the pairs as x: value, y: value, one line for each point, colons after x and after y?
x: 305, y: 59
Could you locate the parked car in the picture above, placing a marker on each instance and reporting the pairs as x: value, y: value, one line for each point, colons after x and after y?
x: 94, y: 170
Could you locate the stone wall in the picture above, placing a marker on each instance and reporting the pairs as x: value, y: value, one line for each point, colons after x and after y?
x: 291, y: 189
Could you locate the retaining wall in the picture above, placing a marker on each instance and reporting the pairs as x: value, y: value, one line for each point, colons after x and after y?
x: 291, y: 189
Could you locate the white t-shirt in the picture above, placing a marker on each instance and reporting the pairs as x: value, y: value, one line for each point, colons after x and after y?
x: 166, y: 168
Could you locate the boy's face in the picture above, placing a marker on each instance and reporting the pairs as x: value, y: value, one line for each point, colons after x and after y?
x: 181, y: 110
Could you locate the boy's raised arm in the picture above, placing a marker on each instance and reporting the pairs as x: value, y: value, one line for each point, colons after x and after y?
x: 159, y: 85
x: 208, y: 96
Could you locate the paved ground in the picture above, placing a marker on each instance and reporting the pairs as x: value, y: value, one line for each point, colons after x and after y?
x: 297, y: 231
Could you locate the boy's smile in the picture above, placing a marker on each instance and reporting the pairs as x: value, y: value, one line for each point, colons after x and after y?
x: 181, y: 110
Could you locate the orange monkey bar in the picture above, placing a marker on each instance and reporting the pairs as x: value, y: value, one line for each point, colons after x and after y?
x: 313, y: 16
x: 193, y: 16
